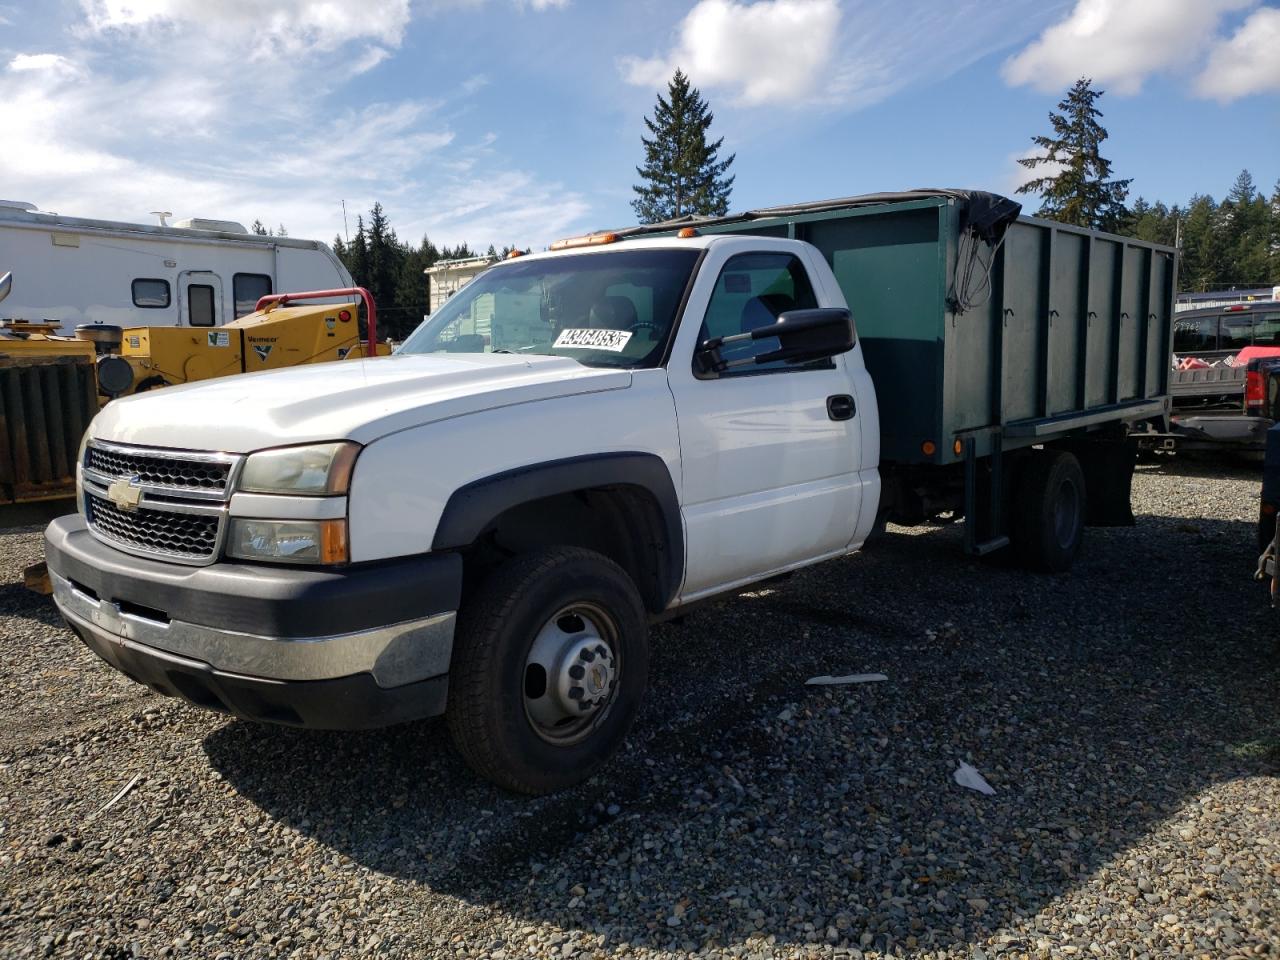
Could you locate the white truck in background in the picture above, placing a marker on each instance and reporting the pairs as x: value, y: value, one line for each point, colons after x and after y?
x: 196, y: 273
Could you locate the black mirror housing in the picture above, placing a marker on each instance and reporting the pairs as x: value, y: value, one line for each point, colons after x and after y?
x: 803, y: 336
x: 808, y: 335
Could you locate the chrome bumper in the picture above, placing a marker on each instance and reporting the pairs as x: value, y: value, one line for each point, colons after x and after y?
x: 394, y: 655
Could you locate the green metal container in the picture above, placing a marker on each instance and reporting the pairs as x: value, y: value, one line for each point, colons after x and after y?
x: 1066, y: 330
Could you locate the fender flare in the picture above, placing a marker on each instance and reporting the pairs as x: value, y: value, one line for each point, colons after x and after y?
x: 474, y: 506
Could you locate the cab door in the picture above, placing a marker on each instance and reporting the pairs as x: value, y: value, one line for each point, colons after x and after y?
x: 770, y: 454
x: 200, y: 299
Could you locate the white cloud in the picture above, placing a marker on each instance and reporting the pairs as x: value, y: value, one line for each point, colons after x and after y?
x: 52, y: 63
x: 545, y: 4
x: 1247, y: 63
x: 1119, y: 43
x: 769, y: 51
x: 152, y: 104
x: 281, y: 27
x: 818, y: 53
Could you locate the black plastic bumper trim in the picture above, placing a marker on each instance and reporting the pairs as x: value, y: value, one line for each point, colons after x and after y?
x: 347, y: 703
x: 260, y: 599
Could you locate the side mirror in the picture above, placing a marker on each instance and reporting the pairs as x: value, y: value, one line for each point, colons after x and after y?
x: 803, y: 336
x: 6, y: 284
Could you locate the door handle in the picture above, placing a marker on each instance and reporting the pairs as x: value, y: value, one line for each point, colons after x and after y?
x: 841, y: 407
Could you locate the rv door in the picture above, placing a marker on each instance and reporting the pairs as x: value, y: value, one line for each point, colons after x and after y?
x: 199, y: 299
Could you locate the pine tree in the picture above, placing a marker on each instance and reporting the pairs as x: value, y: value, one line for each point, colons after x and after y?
x: 385, y: 256
x: 1080, y: 192
x: 258, y: 228
x: 1246, y: 230
x: 358, y: 256
x: 411, y: 287
x: 1203, y: 264
x: 1273, y: 236
x: 682, y: 172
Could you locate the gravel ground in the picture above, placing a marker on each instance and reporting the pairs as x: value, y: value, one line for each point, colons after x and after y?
x: 1126, y: 715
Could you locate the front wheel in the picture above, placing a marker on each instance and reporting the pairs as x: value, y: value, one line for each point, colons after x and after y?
x: 549, y: 666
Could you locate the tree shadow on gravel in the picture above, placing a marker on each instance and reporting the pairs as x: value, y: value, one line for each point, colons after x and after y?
x: 1096, y: 703
x: 23, y: 604
x: 1209, y: 466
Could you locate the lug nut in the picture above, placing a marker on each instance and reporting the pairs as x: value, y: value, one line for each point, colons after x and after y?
x: 588, y: 655
x: 575, y: 693
x: 577, y: 672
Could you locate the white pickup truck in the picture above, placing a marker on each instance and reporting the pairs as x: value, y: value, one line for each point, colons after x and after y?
x: 578, y: 443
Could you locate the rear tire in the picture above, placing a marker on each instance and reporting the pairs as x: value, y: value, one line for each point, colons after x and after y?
x: 516, y: 681
x: 1049, y: 506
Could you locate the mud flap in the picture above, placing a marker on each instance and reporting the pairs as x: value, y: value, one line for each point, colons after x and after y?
x: 1108, y: 475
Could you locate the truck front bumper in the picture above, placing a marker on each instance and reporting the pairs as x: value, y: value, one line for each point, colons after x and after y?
x: 359, y: 647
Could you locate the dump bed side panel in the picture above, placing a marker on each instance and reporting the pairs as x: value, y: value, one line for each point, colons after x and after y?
x: 1075, y: 335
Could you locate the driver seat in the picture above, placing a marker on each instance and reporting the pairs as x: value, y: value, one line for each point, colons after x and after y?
x: 612, y: 313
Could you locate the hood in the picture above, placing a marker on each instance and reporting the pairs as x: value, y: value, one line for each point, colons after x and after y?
x: 359, y: 400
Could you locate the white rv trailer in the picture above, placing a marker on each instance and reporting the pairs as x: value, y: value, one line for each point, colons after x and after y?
x: 198, y: 273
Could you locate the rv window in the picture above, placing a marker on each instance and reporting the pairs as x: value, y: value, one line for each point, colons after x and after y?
x: 151, y: 294
x: 200, y: 304
x: 249, y: 288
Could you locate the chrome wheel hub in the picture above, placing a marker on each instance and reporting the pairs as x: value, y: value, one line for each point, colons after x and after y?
x: 571, y: 673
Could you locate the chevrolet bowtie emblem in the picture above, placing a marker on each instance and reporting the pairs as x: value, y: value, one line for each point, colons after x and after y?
x: 125, y: 493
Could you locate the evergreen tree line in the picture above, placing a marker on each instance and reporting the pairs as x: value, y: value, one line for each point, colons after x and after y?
x: 1235, y: 243
x: 393, y: 271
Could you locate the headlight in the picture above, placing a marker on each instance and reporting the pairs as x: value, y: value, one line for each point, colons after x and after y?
x: 288, y: 541
x: 320, y: 470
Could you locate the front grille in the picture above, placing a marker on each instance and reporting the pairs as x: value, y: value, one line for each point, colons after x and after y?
x: 186, y: 535
x: 173, y: 472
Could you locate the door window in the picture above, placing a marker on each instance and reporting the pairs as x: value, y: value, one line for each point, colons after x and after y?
x: 752, y: 290
x: 200, y: 305
x: 248, y: 289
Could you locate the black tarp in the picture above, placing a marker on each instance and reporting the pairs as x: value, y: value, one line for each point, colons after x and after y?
x: 986, y: 215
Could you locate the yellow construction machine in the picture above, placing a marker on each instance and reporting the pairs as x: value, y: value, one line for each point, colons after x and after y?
x: 279, y: 333
x: 51, y: 386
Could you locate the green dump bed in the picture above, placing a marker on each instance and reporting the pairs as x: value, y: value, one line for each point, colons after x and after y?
x: 1035, y: 331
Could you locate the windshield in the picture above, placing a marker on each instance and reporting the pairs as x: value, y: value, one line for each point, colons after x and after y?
x: 612, y: 309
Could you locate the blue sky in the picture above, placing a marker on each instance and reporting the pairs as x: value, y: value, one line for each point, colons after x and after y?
x: 517, y: 121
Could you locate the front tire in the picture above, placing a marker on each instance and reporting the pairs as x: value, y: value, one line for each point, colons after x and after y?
x: 550, y: 663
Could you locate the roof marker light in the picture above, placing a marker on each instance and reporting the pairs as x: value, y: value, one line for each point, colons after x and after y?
x: 686, y: 233
x: 590, y: 240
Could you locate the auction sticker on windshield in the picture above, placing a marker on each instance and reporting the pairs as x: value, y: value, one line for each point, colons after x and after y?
x: 575, y: 339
